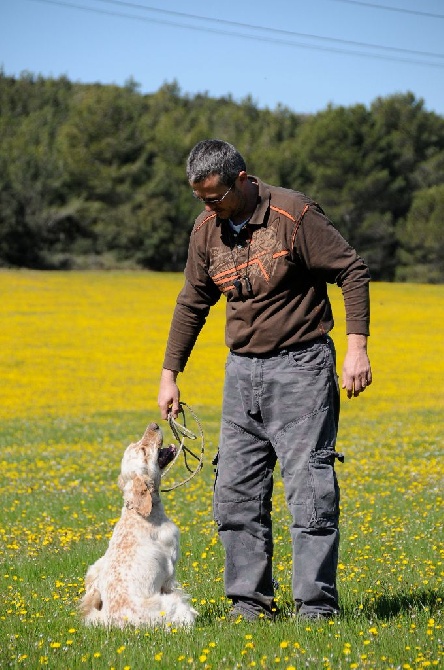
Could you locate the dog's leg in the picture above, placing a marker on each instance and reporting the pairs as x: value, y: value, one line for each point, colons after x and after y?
x: 177, y: 609
x: 167, y: 609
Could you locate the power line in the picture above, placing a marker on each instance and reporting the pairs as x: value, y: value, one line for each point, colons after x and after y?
x: 276, y: 31
x: 387, y: 8
x: 257, y: 37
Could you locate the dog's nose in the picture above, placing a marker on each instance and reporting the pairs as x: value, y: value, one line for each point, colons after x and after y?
x: 153, y: 426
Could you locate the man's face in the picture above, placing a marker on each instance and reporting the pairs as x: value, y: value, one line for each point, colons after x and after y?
x: 217, y: 197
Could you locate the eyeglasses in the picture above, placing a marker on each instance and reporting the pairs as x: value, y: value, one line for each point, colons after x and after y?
x: 213, y: 201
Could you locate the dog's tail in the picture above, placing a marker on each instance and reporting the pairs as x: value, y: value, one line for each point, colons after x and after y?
x: 90, y: 603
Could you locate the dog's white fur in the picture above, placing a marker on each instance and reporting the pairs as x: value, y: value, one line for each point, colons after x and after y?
x: 134, y: 582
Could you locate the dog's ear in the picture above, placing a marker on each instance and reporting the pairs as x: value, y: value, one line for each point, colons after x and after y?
x: 142, y: 501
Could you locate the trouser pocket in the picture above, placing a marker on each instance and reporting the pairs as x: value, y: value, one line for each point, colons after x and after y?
x: 325, y: 488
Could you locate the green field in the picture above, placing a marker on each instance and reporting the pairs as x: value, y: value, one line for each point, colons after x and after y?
x: 80, y: 357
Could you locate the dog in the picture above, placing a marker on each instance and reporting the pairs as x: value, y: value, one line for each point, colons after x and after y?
x: 134, y: 581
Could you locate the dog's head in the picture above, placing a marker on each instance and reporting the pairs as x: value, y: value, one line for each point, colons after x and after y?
x: 141, y: 469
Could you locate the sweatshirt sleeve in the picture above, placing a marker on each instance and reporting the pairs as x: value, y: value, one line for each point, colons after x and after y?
x: 193, y: 304
x: 330, y: 257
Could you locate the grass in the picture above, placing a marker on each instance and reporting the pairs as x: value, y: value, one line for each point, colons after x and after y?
x: 80, y: 355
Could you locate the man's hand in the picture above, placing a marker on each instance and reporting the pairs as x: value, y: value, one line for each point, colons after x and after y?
x: 169, y: 394
x: 356, y: 371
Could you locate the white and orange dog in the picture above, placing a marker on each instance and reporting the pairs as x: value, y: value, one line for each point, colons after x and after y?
x: 134, y: 582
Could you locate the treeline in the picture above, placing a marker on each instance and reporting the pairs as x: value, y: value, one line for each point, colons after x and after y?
x: 94, y: 175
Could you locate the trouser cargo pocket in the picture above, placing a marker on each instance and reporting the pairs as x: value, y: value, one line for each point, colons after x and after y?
x: 325, y: 488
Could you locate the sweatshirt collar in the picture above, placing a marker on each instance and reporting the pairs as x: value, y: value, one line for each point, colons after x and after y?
x: 261, y: 213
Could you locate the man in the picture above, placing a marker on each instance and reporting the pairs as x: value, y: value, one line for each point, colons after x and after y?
x: 271, y: 252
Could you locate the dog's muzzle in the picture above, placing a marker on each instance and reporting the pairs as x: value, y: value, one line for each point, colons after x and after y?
x: 166, y: 455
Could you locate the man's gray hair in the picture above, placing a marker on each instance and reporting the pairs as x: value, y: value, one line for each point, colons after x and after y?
x: 210, y: 157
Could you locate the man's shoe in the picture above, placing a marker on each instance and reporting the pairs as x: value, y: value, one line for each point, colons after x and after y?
x: 250, y: 613
x: 310, y: 616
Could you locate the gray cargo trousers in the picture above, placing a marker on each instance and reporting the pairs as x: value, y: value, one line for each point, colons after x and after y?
x: 281, y: 407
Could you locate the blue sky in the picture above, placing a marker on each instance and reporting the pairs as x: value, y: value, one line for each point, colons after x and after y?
x: 303, y: 54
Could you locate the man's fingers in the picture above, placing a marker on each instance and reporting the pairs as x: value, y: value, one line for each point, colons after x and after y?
x: 175, y: 409
x: 355, y: 386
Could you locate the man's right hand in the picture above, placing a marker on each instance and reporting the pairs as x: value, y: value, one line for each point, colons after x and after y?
x: 169, y: 394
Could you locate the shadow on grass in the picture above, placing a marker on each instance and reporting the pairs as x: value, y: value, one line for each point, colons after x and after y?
x: 388, y: 606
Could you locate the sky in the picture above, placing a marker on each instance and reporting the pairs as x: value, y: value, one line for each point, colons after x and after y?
x: 300, y: 54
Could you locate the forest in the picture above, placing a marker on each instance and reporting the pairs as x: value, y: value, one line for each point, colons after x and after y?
x: 93, y: 176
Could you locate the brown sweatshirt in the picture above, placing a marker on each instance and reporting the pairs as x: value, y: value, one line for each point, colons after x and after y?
x: 286, y: 255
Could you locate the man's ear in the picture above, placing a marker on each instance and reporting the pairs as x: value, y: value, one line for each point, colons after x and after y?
x: 142, y: 500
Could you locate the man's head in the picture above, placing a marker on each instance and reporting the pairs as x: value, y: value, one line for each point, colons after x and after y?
x: 214, y: 157
x: 217, y: 174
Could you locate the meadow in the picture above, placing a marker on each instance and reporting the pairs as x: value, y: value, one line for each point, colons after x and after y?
x: 80, y: 358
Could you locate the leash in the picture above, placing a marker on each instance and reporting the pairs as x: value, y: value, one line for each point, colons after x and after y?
x: 181, y: 433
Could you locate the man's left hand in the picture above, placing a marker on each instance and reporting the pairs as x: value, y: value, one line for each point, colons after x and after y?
x: 356, y: 371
